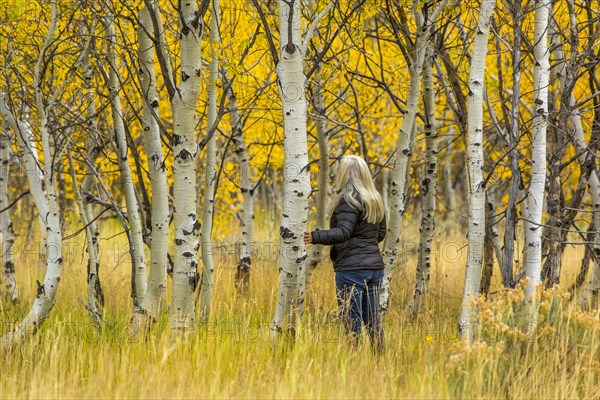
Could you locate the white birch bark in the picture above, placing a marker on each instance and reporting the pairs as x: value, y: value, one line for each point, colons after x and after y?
x: 428, y: 188
x: 94, y: 144
x: 162, y: 51
x: 242, y: 276
x: 475, y: 161
x: 404, y: 148
x: 535, y: 195
x: 23, y: 133
x: 296, y: 174
x: 93, y: 305
x: 29, y: 144
x: 448, y: 170
x: 210, y: 168
x: 385, y: 189
x: 592, y: 290
x: 46, y: 205
x: 316, y: 251
x: 136, y: 250
x: 591, y: 293
x: 6, y: 227
x: 159, y: 238
x: 185, y: 152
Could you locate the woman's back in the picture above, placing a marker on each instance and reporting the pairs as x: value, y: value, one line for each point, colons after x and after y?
x: 354, y: 240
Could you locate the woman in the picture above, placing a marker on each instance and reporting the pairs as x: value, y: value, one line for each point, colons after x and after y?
x: 357, y: 226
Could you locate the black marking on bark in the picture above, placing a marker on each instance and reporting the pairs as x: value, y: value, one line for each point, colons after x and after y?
x: 286, y: 233
x: 193, y: 281
x: 245, y: 261
x: 184, y: 155
x: 41, y: 291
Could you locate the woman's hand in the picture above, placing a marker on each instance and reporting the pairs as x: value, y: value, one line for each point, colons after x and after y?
x: 307, y: 237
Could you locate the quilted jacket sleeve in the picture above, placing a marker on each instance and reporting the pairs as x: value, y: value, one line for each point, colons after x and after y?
x: 382, y: 230
x: 346, y: 217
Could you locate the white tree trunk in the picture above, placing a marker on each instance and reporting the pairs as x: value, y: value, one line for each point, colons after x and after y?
x: 210, y: 168
x: 46, y: 205
x: 94, y: 145
x: 242, y: 276
x: 535, y: 195
x: 93, y: 305
x: 404, y: 148
x: 6, y: 227
x: 476, y: 228
x: 589, y: 296
x: 28, y: 143
x: 428, y: 188
x: 448, y: 172
x: 385, y: 190
x: 185, y: 152
x: 136, y: 250
x: 316, y: 251
x: 592, y: 291
x: 157, y: 170
x: 23, y: 133
x: 296, y: 174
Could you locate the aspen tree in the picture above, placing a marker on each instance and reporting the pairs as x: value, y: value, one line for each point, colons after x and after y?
x: 157, y: 170
x: 296, y: 179
x: 535, y: 195
x: 318, y: 100
x: 475, y: 161
x: 428, y: 188
x: 425, y: 19
x: 136, y: 246
x: 46, y: 203
x: 210, y: 167
x: 94, y: 145
x: 6, y: 227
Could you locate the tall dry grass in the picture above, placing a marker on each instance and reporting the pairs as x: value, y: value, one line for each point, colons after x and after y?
x: 232, y: 357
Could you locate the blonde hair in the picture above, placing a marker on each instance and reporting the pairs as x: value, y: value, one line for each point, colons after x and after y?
x: 356, y: 187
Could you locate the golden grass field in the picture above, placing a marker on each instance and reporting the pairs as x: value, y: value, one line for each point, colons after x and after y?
x: 231, y: 357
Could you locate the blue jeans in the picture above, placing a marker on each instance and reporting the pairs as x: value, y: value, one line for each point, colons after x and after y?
x: 358, y: 299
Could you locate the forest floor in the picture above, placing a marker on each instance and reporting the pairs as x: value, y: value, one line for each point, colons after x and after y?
x: 231, y: 356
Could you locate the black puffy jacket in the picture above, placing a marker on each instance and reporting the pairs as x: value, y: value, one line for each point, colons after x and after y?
x: 354, y: 241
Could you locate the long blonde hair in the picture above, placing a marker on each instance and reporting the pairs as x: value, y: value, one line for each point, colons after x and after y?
x: 356, y: 187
